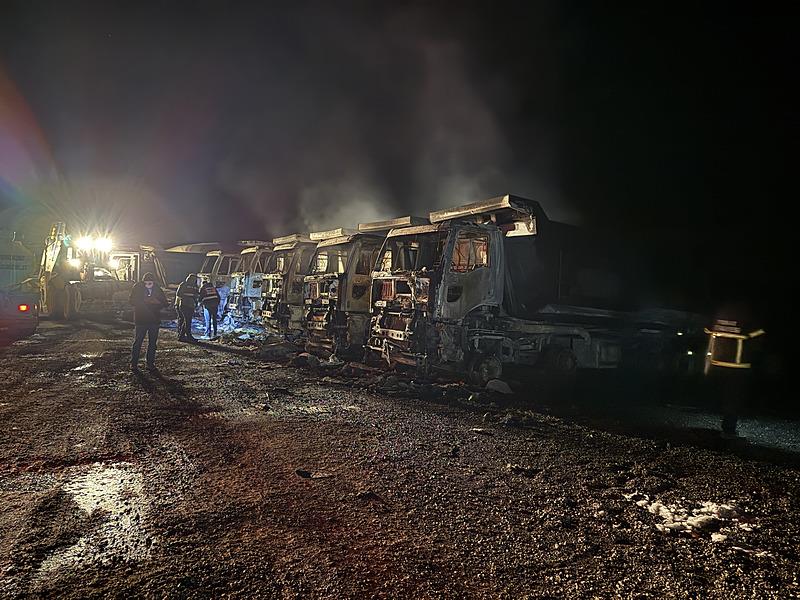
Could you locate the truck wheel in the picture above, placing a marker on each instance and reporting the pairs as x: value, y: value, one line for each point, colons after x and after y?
x: 421, y: 370
x: 559, y: 359
x: 484, y: 368
x: 54, y: 298
x: 373, y: 359
x: 72, y: 303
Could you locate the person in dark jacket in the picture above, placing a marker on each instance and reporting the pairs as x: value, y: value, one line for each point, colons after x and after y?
x: 209, y: 299
x: 147, y: 299
x: 185, y: 304
x: 733, y: 352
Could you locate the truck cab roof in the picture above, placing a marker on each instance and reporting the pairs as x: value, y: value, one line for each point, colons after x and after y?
x: 383, y: 226
x: 501, y: 210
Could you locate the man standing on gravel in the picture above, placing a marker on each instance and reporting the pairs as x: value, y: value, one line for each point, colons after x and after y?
x: 209, y: 299
x: 147, y: 300
x: 185, y: 304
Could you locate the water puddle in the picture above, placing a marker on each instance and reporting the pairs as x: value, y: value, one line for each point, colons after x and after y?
x: 112, y: 493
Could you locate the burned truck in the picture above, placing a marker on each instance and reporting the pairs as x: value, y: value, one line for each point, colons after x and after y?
x: 245, y: 300
x: 218, y: 269
x: 495, y: 285
x: 282, y: 287
x: 336, y: 290
x: 219, y: 266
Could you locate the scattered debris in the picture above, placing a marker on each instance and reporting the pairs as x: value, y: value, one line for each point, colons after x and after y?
x: 453, y: 452
x: 355, y: 369
x: 514, y: 420
x: 709, y: 516
x: 481, y: 431
x: 753, y: 552
x: 521, y: 470
x: 370, y: 496
x: 276, y: 351
x: 333, y: 361
x: 309, y: 475
x: 304, y: 359
x: 499, y: 386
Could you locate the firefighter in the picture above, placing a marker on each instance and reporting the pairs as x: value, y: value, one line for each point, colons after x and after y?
x: 209, y: 299
x: 147, y: 299
x: 733, y: 350
x: 185, y: 304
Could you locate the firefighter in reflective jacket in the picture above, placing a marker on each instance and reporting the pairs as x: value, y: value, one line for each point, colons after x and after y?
x: 209, y: 299
x: 733, y: 350
x: 185, y: 304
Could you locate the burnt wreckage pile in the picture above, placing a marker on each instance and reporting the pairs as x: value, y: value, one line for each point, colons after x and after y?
x: 479, y: 289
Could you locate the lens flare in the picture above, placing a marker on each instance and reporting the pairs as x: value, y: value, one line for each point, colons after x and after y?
x: 103, y: 244
x: 85, y: 243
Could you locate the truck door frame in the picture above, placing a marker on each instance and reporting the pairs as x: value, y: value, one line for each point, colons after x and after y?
x: 452, y: 304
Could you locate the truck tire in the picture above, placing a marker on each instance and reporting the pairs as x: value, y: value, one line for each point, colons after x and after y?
x: 372, y: 359
x: 72, y: 304
x: 55, y: 299
x: 559, y: 359
x: 483, y: 368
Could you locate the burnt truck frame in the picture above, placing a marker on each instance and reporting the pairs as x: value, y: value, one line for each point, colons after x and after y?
x: 443, y: 296
x: 336, y: 291
x: 282, y: 288
x: 245, y: 300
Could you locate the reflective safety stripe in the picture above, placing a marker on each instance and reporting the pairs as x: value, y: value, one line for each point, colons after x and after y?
x: 740, y: 339
x: 730, y: 365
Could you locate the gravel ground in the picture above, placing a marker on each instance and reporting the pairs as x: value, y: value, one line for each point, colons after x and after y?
x: 225, y: 476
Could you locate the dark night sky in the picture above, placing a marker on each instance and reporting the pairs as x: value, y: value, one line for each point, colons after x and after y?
x: 218, y: 120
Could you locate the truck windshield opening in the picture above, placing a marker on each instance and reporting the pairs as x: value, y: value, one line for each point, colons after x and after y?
x: 329, y: 260
x: 413, y: 252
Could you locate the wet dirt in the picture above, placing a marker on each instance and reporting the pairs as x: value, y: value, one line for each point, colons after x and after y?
x: 225, y: 476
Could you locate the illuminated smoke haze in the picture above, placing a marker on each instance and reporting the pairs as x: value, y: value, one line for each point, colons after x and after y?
x: 236, y: 127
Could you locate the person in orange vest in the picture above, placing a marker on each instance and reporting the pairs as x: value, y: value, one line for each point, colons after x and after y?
x: 209, y: 300
x: 733, y: 351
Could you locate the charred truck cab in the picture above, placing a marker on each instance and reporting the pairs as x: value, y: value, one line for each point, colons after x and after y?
x: 218, y: 267
x: 245, y: 300
x: 336, y: 291
x: 282, y: 288
x: 496, y: 284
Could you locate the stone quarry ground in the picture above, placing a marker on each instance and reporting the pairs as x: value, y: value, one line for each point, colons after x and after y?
x: 229, y: 476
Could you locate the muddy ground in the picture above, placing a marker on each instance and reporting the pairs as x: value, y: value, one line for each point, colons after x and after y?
x: 226, y: 476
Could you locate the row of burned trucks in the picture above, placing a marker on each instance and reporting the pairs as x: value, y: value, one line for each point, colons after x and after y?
x: 480, y: 289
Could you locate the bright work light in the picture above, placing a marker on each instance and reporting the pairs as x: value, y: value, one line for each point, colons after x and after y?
x: 103, y: 244
x: 85, y: 243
